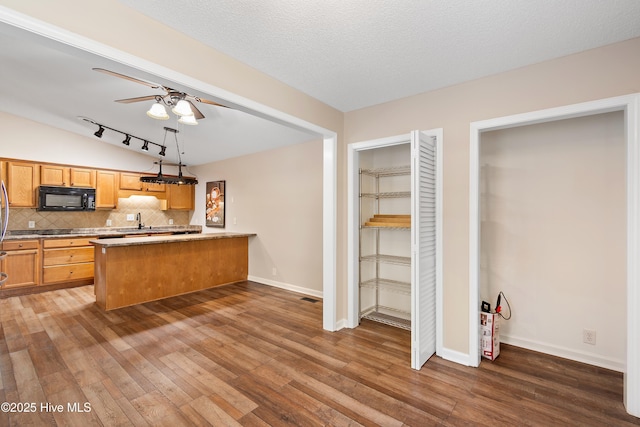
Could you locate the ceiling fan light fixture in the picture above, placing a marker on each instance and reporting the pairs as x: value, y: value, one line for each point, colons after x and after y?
x: 158, y: 112
x: 188, y: 120
x: 182, y: 109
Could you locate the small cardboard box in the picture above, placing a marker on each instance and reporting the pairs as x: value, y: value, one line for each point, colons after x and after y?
x: 490, y: 335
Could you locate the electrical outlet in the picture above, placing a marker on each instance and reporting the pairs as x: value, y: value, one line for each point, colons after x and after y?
x: 589, y: 336
x: 32, y: 224
x: 131, y: 217
x: 170, y: 222
x: 108, y: 223
x: 274, y: 271
x: 235, y: 221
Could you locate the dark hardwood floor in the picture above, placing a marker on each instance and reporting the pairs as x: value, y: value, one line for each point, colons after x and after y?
x: 249, y: 354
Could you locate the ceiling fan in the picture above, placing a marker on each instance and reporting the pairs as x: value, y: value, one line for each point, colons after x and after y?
x: 171, y: 98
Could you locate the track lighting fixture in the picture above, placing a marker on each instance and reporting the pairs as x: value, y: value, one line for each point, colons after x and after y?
x: 128, y: 136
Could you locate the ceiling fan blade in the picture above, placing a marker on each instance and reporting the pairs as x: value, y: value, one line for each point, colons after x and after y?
x: 206, y: 101
x: 131, y: 79
x: 196, y: 113
x: 138, y: 99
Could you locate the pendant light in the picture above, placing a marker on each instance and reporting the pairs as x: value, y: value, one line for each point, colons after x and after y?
x: 160, y: 178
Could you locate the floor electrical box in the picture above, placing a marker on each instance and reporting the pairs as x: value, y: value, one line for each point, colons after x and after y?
x: 490, y: 335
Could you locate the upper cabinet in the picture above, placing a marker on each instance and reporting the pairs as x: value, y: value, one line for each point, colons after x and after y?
x: 22, y: 182
x: 23, y: 178
x: 181, y: 197
x: 130, y: 181
x: 67, y: 176
x: 80, y: 177
x: 106, y: 189
x: 54, y: 175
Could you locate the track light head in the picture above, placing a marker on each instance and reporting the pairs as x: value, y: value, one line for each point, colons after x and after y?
x: 127, y: 140
x: 99, y: 132
x: 163, y: 151
x: 145, y: 146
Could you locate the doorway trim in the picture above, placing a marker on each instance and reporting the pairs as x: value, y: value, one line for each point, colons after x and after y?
x: 630, y: 105
x: 353, y: 222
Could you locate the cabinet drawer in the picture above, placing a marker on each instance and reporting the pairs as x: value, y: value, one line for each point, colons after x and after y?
x: 62, y: 273
x: 17, y: 245
x: 68, y: 243
x: 67, y: 255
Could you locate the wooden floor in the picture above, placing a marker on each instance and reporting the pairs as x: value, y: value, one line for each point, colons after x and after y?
x: 249, y: 354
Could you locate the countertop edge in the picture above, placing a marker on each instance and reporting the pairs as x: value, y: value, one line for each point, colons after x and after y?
x: 152, y: 240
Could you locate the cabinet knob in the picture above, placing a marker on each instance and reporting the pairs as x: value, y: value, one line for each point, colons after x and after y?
x: 19, y: 245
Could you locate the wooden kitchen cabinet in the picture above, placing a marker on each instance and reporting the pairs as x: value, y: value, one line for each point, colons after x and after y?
x: 54, y: 175
x: 150, y: 187
x: 21, y: 263
x: 181, y: 197
x: 130, y: 181
x: 80, y: 177
x: 22, y: 182
x: 67, y: 260
x: 67, y: 176
x: 106, y: 189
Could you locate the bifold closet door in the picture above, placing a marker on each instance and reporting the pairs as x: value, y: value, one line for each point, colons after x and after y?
x: 423, y: 252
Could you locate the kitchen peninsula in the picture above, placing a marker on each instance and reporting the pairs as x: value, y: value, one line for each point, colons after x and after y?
x: 131, y: 271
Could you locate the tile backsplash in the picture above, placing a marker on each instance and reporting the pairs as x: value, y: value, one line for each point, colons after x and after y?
x: 148, y: 206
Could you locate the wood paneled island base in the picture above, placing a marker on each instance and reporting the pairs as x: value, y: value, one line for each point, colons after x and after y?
x: 142, y: 269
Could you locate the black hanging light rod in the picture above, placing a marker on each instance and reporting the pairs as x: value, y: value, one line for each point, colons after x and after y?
x: 127, y: 135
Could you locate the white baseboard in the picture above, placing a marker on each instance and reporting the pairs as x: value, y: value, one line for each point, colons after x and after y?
x: 566, y: 353
x: 286, y: 286
x: 456, y: 357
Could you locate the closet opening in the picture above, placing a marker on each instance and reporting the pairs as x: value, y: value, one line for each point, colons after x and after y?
x: 629, y: 107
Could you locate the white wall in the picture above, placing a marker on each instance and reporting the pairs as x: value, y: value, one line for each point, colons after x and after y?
x: 29, y: 140
x: 553, y: 235
x: 276, y: 194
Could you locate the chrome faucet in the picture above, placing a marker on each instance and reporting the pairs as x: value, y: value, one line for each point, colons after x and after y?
x: 139, y: 218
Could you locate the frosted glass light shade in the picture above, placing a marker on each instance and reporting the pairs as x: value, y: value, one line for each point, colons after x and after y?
x: 182, y: 108
x: 188, y: 120
x: 157, y: 111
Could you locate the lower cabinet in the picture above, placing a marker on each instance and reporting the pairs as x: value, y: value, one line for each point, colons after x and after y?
x: 67, y: 260
x: 21, y: 263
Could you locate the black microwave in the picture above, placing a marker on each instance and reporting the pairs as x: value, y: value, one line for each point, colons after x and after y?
x: 66, y: 199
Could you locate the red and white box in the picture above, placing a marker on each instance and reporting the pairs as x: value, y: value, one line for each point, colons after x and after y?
x: 490, y: 335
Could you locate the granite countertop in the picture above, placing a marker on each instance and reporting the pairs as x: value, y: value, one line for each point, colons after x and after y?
x: 105, y: 232
x: 152, y: 240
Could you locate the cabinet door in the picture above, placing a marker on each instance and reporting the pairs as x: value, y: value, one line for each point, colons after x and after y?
x: 106, y: 195
x: 22, y: 181
x: 130, y: 181
x: 181, y: 197
x: 54, y: 175
x: 82, y: 177
x: 21, y: 267
x: 153, y: 187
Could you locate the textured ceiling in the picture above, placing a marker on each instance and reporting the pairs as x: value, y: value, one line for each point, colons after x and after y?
x: 356, y: 53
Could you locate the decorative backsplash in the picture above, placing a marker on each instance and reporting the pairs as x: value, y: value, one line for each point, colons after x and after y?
x: 148, y: 207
